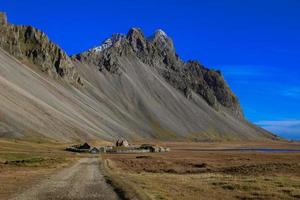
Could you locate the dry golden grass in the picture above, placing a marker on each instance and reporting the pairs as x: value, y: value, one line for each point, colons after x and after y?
x: 213, y: 186
x: 23, y: 163
x: 185, y: 173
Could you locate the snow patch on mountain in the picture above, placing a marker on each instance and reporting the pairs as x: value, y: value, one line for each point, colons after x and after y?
x: 161, y: 33
x: 108, y: 43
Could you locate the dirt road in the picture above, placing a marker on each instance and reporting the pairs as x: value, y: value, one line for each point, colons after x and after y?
x: 82, y: 181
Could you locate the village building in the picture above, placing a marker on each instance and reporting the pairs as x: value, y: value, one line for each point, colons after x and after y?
x: 122, y: 143
x: 125, y: 148
x: 94, y: 150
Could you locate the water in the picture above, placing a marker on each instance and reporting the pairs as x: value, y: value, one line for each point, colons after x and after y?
x: 267, y: 150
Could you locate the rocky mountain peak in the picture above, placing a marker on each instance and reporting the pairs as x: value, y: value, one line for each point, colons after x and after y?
x: 135, y: 32
x: 137, y: 40
x: 30, y: 44
x: 160, y: 33
x: 159, y: 53
x: 162, y: 40
x: 109, y: 42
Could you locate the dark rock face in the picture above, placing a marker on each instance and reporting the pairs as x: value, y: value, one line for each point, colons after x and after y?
x: 158, y: 52
x: 211, y: 86
x: 137, y: 40
x: 107, y: 61
x: 28, y: 43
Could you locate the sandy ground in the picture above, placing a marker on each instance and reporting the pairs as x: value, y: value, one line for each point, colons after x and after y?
x: 83, y: 180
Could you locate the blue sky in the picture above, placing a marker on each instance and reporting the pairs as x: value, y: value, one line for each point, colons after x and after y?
x: 256, y: 43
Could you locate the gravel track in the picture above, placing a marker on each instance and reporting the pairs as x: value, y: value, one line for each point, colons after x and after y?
x: 82, y: 181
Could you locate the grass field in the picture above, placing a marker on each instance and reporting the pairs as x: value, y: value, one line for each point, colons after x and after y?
x: 186, y: 173
x: 183, y: 173
x: 23, y: 163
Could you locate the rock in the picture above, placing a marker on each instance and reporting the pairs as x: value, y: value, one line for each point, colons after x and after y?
x: 137, y: 40
x: 109, y: 42
x: 30, y: 44
x: 3, y: 18
x: 158, y: 52
x: 188, y: 93
x: 162, y: 41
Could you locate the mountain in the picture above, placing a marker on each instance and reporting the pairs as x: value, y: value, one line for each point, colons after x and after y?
x: 130, y: 86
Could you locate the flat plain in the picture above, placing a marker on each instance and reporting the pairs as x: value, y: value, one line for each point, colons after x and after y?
x: 210, y: 171
x: 191, y: 170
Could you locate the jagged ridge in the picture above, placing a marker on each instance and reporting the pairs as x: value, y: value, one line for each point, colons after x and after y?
x: 28, y: 43
x: 158, y: 51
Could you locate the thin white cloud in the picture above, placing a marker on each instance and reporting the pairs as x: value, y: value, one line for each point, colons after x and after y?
x: 273, y: 84
x: 292, y: 92
x: 285, y: 128
x: 279, y: 123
